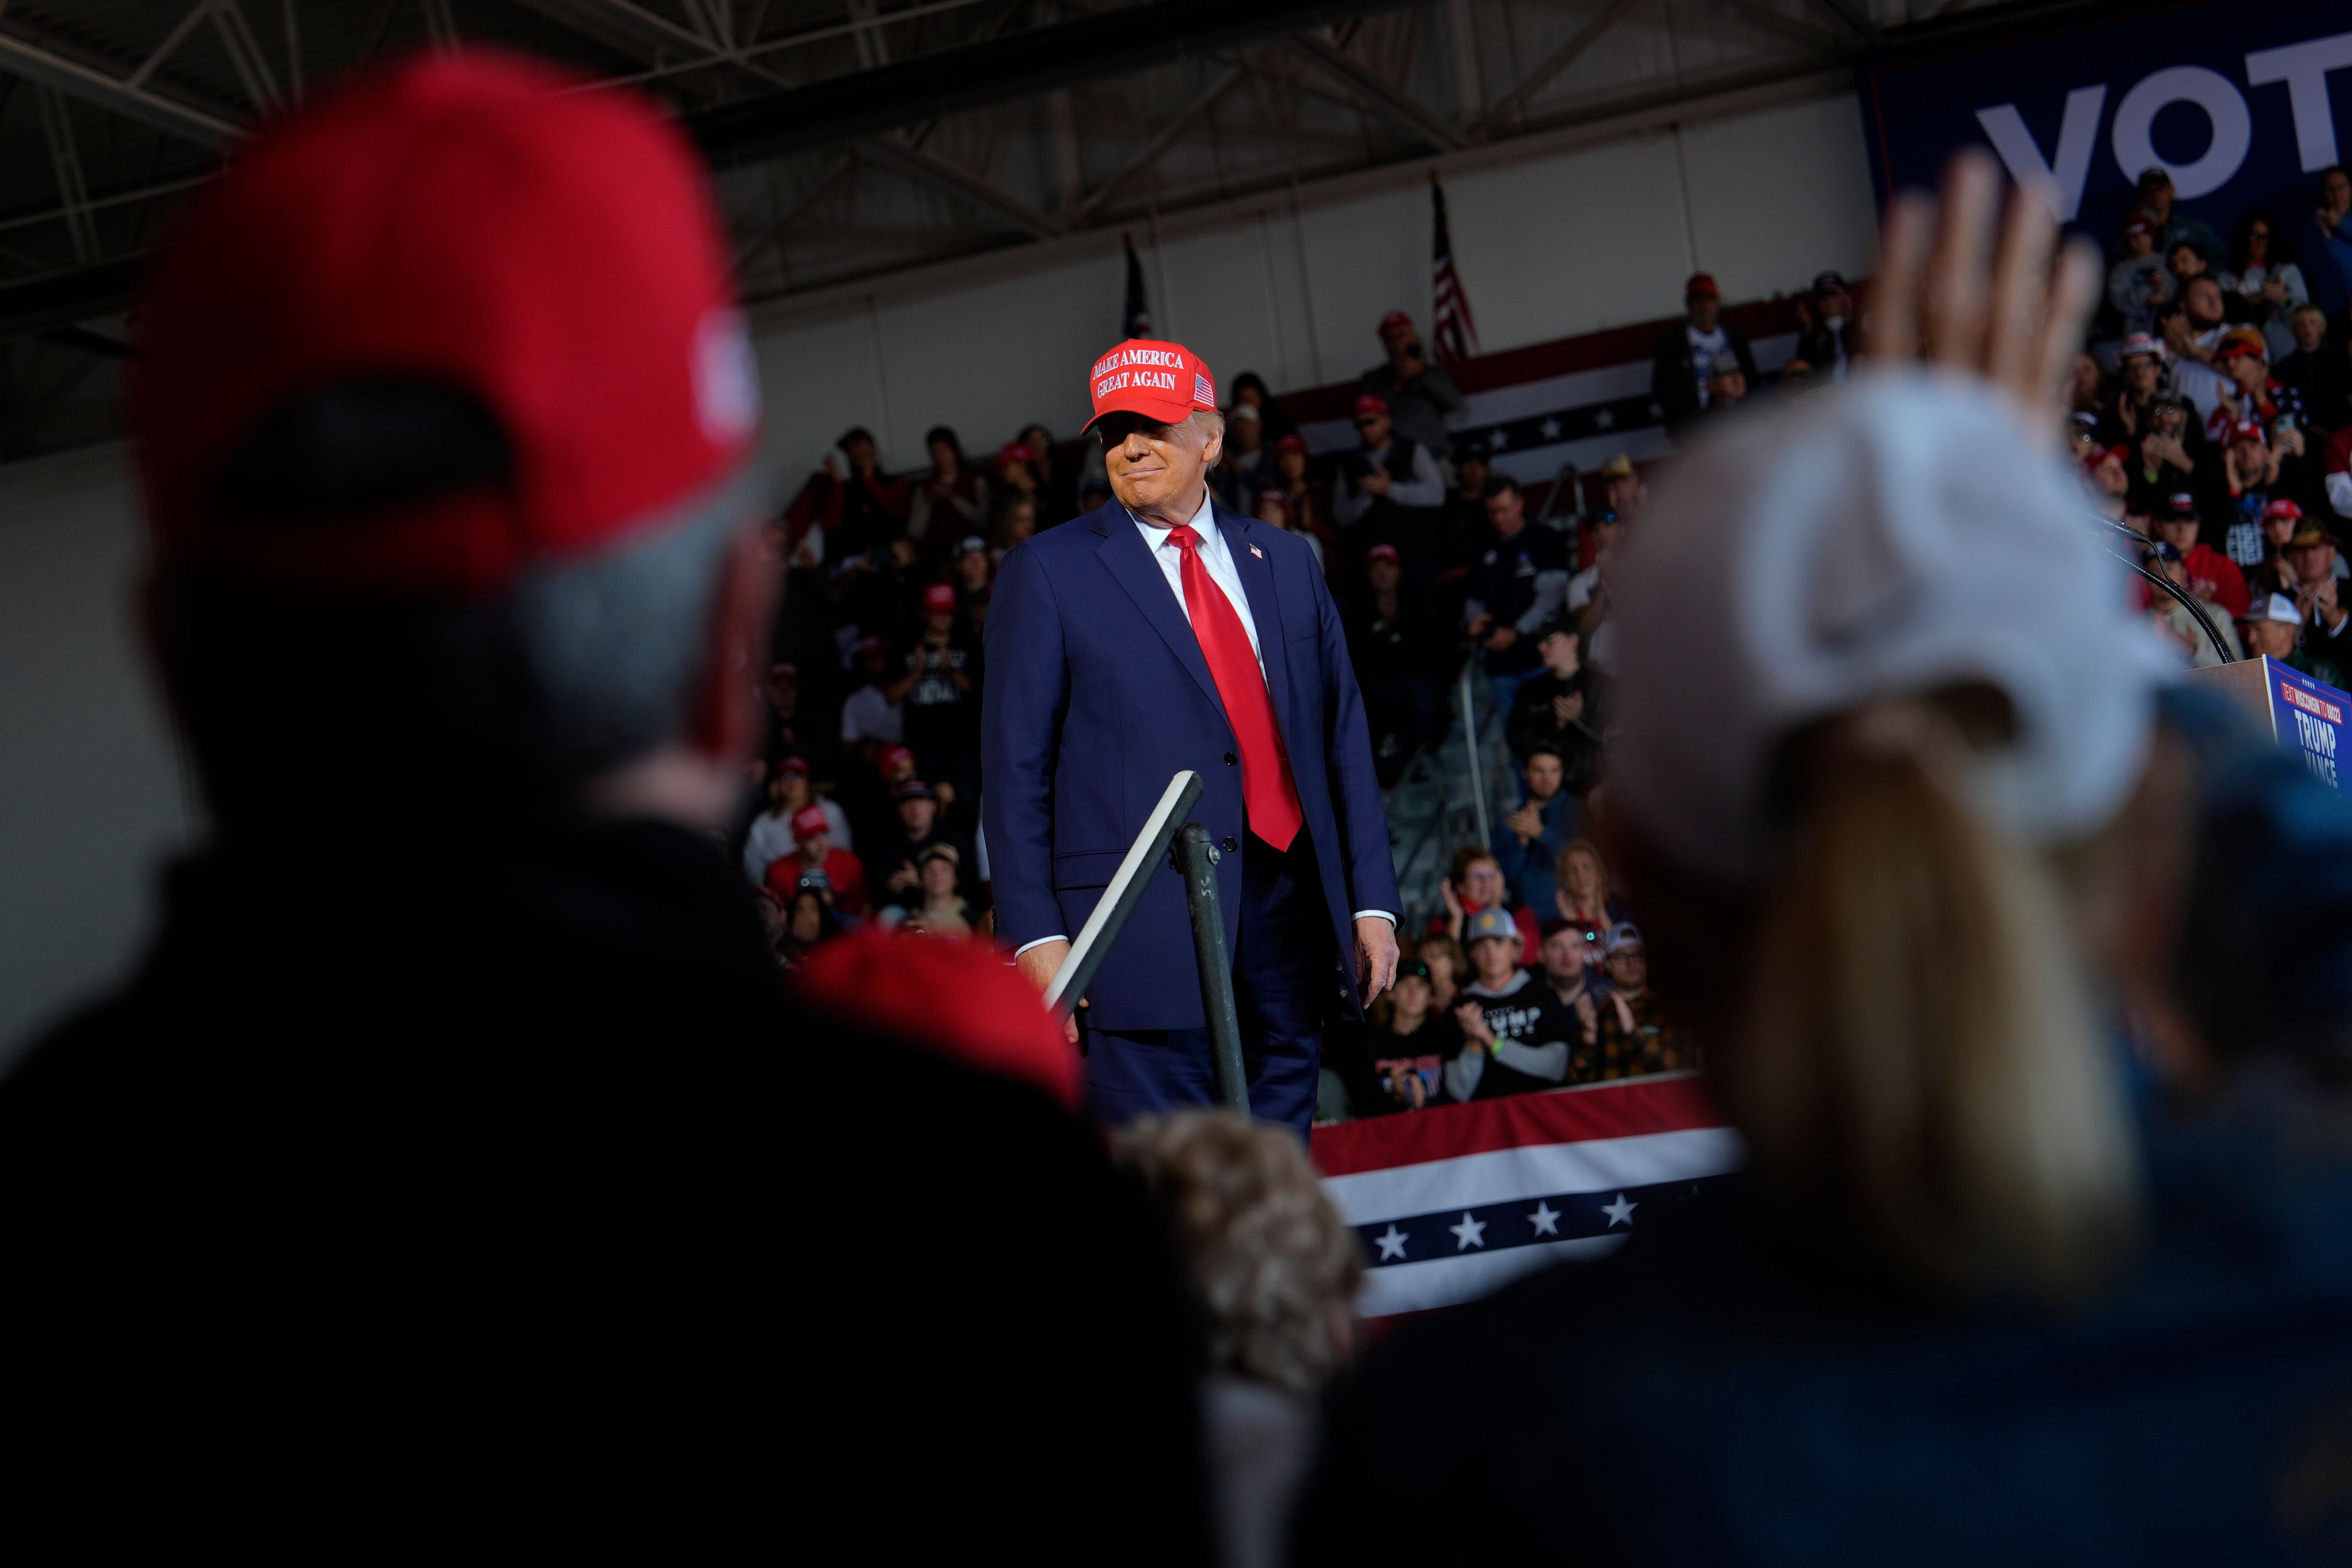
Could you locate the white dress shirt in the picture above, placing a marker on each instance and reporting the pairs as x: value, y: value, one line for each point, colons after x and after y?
x: 1216, y: 554
x: 1218, y: 559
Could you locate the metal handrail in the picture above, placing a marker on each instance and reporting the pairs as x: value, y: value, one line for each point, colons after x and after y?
x: 1196, y: 860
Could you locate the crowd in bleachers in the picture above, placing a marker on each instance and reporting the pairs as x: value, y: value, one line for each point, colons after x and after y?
x: 2212, y: 414
x: 864, y: 805
x: 2211, y: 411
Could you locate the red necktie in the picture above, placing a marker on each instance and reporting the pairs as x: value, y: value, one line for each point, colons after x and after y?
x: 1268, y: 795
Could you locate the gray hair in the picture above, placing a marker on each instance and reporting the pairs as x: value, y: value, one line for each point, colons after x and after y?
x: 611, y: 645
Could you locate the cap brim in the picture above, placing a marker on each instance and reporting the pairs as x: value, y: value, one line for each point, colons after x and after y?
x: 1166, y: 413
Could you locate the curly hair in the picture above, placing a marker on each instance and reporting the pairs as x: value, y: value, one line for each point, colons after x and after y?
x: 1275, y: 1265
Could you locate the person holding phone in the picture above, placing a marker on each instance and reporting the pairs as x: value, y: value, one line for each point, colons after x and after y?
x: 1418, y: 394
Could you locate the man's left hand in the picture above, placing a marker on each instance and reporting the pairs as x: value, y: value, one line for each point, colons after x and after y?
x: 1502, y: 637
x: 1376, y: 956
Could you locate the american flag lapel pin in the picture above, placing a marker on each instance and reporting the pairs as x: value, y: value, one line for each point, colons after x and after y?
x: 1256, y: 551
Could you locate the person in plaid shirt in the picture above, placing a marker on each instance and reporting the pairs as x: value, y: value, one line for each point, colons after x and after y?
x: 1637, y: 1035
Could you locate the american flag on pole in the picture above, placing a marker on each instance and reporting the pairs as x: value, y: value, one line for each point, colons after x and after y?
x: 1456, y: 1202
x: 1455, y: 332
x: 1135, y: 315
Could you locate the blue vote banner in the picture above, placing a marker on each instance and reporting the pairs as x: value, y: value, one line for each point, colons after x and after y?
x: 2240, y: 100
x: 2308, y: 718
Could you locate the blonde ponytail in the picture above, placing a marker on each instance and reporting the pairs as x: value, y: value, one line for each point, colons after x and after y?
x: 1919, y: 1055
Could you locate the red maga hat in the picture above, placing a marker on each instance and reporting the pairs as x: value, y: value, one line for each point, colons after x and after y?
x: 783, y: 669
x: 939, y: 597
x: 793, y: 765
x: 1015, y: 452
x: 1371, y: 403
x: 809, y: 821
x: 1381, y: 553
x: 1702, y: 286
x: 1394, y: 319
x: 1294, y: 442
x: 2283, y: 507
x: 956, y: 999
x: 892, y: 756
x: 476, y: 222
x: 1163, y: 381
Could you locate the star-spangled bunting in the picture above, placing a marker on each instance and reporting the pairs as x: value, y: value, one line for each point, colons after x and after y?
x: 1523, y: 1222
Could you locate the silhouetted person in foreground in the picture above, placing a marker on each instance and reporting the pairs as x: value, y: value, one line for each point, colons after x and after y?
x: 499, y: 1225
x: 2007, y: 1282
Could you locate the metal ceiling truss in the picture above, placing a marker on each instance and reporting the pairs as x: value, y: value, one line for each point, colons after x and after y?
x: 1021, y: 85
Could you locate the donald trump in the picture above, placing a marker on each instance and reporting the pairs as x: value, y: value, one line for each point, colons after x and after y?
x: 1160, y: 633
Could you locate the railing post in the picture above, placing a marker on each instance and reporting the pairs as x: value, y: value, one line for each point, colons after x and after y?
x: 1196, y: 862
x: 1470, y: 744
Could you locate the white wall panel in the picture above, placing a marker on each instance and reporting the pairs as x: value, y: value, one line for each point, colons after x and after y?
x: 1571, y: 244
x: 1775, y: 198
x: 816, y: 380
x: 90, y: 790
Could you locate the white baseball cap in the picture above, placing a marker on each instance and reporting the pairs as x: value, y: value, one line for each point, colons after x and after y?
x: 2277, y: 608
x: 1892, y: 535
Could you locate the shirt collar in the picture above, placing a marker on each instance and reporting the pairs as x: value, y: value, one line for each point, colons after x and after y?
x: 1204, y: 521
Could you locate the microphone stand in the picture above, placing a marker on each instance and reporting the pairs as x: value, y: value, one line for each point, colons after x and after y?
x: 2196, y: 610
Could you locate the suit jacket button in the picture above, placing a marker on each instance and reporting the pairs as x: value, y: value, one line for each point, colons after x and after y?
x: 1231, y: 760
x: 1231, y: 845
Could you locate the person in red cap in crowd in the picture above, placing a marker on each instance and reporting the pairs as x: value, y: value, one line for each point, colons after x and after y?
x: 2276, y: 575
x: 2243, y: 358
x: 1398, y: 645
x: 2207, y: 573
x: 1418, y: 395
x: 1016, y: 471
x: 513, y: 1228
x: 1159, y: 635
x: 790, y: 790
x: 937, y: 695
x: 1310, y: 509
x: 2105, y: 472
x: 1687, y: 350
x: 2254, y: 473
x: 815, y: 862
x: 1057, y: 491
x: 1389, y: 491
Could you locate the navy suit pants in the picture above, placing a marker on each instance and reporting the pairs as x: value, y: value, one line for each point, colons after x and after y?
x: 1285, y: 986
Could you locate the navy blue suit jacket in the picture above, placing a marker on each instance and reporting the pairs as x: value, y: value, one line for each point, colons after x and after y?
x: 1098, y: 693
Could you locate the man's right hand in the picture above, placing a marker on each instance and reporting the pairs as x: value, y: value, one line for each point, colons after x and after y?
x: 1039, y: 965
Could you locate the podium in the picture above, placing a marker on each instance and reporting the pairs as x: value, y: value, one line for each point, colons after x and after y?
x: 2303, y: 715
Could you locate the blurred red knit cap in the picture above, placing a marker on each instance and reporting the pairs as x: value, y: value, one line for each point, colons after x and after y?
x: 960, y: 999
x: 474, y: 221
